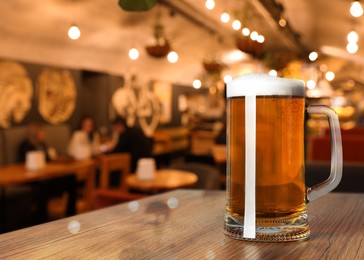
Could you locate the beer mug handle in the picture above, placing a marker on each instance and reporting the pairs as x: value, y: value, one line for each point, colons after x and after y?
x: 336, y: 154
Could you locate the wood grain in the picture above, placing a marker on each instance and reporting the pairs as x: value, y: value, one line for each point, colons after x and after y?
x: 187, y: 224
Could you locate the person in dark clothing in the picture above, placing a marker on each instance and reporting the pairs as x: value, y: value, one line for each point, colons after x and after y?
x: 35, y: 142
x: 44, y: 190
x: 131, y: 140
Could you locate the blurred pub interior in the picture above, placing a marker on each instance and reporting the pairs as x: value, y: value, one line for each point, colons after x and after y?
x: 165, y: 70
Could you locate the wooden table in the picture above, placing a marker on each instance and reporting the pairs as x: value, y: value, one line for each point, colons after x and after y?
x: 15, y: 174
x: 165, y: 179
x: 186, y: 224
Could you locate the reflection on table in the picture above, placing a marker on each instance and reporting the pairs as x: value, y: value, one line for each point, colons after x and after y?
x: 165, y: 179
x: 186, y: 224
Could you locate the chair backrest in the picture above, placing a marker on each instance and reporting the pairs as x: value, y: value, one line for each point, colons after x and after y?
x: 219, y: 153
x: 208, y: 176
x: 120, y: 162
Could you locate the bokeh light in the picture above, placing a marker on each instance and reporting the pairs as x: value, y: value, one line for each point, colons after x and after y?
x: 313, y: 56
x: 74, y: 32
x: 196, y: 83
x: 133, y: 206
x: 172, y: 57
x: 330, y: 75
x: 74, y: 227
x: 133, y: 54
x: 172, y: 202
x: 311, y: 84
x: 225, y: 17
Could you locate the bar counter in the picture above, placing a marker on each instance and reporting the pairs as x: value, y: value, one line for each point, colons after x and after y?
x: 186, y: 224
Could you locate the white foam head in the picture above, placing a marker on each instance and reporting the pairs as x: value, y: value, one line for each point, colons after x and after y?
x: 264, y: 85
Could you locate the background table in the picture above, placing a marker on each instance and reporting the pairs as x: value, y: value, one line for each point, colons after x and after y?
x: 165, y: 179
x: 18, y: 174
x: 186, y: 224
x: 15, y: 174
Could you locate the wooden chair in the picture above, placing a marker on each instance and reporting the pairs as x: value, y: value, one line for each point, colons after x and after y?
x: 85, y: 178
x: 120, y: 162
x: 104, y: 196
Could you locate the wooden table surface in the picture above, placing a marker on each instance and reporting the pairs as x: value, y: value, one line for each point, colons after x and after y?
x: 186, y: 224
x: 15, y: 174
x: 165, y: 179
x: 18, y: 174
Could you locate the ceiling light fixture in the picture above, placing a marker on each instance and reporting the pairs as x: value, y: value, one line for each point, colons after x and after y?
x: 260, y: 38
x: 254, y: 36
x: 74, y: 32
x: 236, y: 25
x: 282, y: 22
x: 245, y: 31
x: 133, y: 54
x: 353, y: 36
x: 273, y: 73
x: 227, y: 78
x: 356, y: 9
x: 311, y: 84
x: 197, y: 84
x: 352, y: 47
x: 313, y: 56
x: 330, y: 75
x: 172, y: 57
x: 225, y: 17
x: 210, y: 4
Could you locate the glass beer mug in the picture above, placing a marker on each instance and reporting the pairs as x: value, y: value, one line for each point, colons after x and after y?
x: 266, y: 192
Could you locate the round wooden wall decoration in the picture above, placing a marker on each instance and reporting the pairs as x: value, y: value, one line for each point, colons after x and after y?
x: 56, y: 91
x: 16, y: 92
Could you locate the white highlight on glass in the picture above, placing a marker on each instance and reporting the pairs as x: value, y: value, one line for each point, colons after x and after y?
x: 197, y: 84
x: 250, y: 161
x: 356, y: 9
x: 225, y: 17
x: 74, y: 32
x: 74, y: 227
x: 330, y: 75
x: 172, y: 202
x: 133, y: 206
x: 133, y: 54
x: 210, y: 4
x: 172, y: 57
x: 313, y: 56
x: 236, y: 25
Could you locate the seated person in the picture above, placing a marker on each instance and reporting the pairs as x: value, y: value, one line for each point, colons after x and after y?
x: 131, y: 140
x: 35, y: 142
x: 44, y: 190
x: 85, y: 142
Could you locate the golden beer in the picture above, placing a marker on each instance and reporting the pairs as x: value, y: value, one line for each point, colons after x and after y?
x: 280, y: 185
x: 280, y: 190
